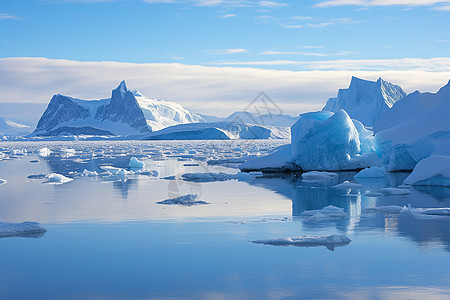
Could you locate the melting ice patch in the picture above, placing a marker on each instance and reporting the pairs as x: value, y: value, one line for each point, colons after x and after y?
x: 329, y: 241
x: 187, y: 200
x: 25, y: 229
x: 419, y: 213
x: 347, y: 185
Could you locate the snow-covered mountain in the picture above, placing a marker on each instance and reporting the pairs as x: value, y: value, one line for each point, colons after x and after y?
x: 365, y: 100
x: 12, y: 128
x: 125, y: 113
x: 245, y: 117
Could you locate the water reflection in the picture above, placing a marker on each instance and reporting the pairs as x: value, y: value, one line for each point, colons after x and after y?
x: 317, y: 195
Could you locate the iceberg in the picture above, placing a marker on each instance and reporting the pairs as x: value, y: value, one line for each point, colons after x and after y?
x: 415, y: 128
x: 24, y: 229
x: 329, y: 241
x: 366, y: 100
x: 434, y: 171
x: 3, y: 181
x: 44, y: 152
x: 136, y: 164
x: 324, y: 141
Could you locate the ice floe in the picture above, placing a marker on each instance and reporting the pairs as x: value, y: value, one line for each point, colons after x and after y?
x: 55, y: 178
x: 44, y: 152
x: 347, y: 185
x: 329, y: 241
x: 327, y: 213
x: 31, y: 229
x: 187, y: 200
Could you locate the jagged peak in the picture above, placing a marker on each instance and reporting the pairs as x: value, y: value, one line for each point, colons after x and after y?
x: 122, y: 88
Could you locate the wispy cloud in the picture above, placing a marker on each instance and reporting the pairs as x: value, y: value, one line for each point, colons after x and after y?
x: 37, y: 79
x: 227, y: 51
x: 271, y: 4
x: 341, y: 53
x: 226, y: 16
x: 5, y: 16
x: 439, y: 64
x: 444, y: 8
x: 332, y: 3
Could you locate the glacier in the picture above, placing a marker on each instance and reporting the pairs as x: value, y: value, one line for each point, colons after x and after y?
x: 366, y: 100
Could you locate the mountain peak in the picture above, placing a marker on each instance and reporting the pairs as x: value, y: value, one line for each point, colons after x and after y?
x: 122, y: 88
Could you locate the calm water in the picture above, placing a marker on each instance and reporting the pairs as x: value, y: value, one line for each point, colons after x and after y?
x: 109, y: 239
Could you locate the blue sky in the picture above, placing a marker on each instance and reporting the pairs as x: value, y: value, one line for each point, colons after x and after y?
x: 211, y: 32
x: 405, y: 41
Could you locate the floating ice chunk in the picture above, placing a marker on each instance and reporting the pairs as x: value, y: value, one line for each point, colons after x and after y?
x: 434, y: 170
x: 3, y: 181
x: 31, y: 229
x: 44, y: 152
x: 136, y: 164
x: 371, y: 172
x: 55, y: 178
x: 2, y: 155
x: 315, y: 176
x: 89, y: 173
x: 329, y: 241
x: 19, y: 152
x: 387, y: 209
x: 346, y: 185
x: 110, y: 169
x: 207, y: 177
x: 441, y: 211
x: 394, y: 191
x: 187, y: 200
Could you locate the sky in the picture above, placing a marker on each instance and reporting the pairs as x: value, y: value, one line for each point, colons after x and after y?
x: 215, y: 56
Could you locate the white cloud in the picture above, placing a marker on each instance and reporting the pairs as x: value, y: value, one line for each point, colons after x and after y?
x: 226, y: 16
x: 379, y: 2
x: 444, y: 8
x: 206, y: 89
x: 228, y: 51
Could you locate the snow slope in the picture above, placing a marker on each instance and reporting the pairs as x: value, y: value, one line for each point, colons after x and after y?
x: 415, y: 128
x: 365, y: 100
x: 11, y: 128
x: 125, y: 113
